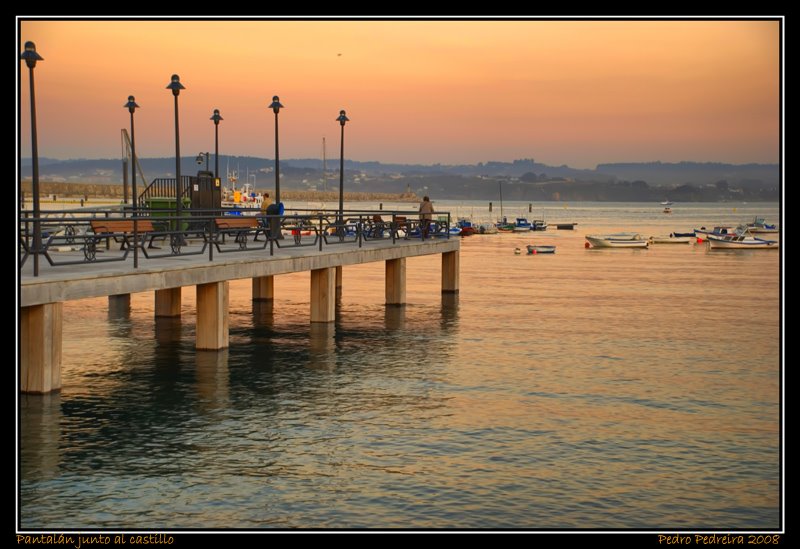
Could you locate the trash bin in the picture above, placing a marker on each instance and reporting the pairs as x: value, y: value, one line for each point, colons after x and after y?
x: 275, y: 222
x: 164, y: 206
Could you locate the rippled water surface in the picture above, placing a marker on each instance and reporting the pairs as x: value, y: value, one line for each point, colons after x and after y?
x: 587, y: 389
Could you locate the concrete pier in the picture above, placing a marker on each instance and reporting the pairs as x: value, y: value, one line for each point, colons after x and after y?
x: 119, y: 305
x: 450, y: 270
x: 212, y: 315
x: 396, y: 281
x: 41, y: 297
x: 263, y: 288
x: 168, y: 302
x: 323, y: 295
x: 40, y: 348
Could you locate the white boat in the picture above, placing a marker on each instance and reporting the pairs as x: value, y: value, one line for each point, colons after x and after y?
x: 620, y: 240
x: 740, y: 240
x: 243, y: 197
x: 666, y: 203
x: 540, y: 249
x: 759, y: 226
x: 487, y: 228
x: 670, y: 239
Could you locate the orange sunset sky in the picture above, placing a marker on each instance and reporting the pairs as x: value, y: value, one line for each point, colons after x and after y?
x: 562, y: 92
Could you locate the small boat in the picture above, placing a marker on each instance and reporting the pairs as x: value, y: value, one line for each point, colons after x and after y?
x: 517, y: 251
x: 667, y: 210
x: 565, y: 226
x: 759, y: 226
x: 666, y: 203
x: 538, y: 249
x: 465, y: 227
x: 621, y: 240
x: 690, y: 235
x: 487, y: 228
x: 670, y: 239
x: 504, y: 226
x: 702, y: 232
x: 538, y: 225
x: 741, y: 239
x: 522, y: 225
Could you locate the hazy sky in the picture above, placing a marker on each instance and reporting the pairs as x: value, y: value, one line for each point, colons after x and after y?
x: 562, y: 92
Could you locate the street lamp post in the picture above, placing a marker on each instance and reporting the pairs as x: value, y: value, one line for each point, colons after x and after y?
x: 176, y: 87
x: 200, y: 156
x: 132, y: 106
x: 342, y: 120
x: 276, y: 107
x: 31, y: 57
x: 216, y: 118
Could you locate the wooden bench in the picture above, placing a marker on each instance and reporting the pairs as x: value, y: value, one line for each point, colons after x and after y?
x: 401, y: 223
x: 122, y: 227
x: 240, y: 226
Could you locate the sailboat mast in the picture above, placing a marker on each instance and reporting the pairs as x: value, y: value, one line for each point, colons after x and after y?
x: 500, y: 183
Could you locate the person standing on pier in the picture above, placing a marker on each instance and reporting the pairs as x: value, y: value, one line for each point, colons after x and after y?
x: 425, y: 215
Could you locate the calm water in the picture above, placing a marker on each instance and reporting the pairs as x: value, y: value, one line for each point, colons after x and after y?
x: 588, y: 389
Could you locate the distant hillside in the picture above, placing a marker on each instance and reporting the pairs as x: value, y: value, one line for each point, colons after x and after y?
x: 523, y: 179
x: 659, y: 173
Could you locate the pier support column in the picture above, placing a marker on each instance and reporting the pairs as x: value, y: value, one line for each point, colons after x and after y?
x: 450, y: 267
x: 323, y: 295
x: 396, y: 281
x: 168, y: 302
x: 263, y: 288
x: 339, y: 283
x: 40, y: 348
x: 212, y: 316
x: 119, y: 305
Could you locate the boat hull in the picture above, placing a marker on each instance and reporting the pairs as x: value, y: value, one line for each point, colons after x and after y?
x: 606, y: 242
x: 716, y: 243
x: 670, y: 240
x: 541, y: 249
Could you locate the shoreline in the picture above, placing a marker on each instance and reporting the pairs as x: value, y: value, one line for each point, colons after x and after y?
x: 70, y: 193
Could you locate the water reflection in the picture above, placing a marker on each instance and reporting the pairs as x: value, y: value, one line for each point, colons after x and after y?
x: 211, y: 371
x: 263, y: 313
x: 394, y: 317
x: 322, y: 345
x: 40, y: 435
x: 449, y: 310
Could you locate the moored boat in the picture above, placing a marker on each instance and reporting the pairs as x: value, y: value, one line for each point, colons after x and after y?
x: 759, y: 226
x: 538, y: 225
x: 620, y: 240
x: 670, y: 239
x: 540, y: 249
x: 719, y: 230
x: 522, y: 225
x: 741, y: 239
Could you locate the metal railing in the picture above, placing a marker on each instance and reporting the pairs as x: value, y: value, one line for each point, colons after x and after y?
x: 73, y: 237
x: 164, y: 187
